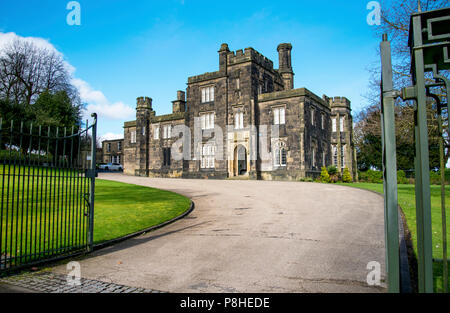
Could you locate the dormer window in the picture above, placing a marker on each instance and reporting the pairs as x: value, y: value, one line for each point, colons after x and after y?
x: 208, y: 94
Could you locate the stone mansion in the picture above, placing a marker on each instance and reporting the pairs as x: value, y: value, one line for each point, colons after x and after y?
x: 268, y: 129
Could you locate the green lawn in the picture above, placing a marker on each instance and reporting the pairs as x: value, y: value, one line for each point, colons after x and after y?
x: 41, y: 209
x: 406, y: 200
x: 122, y: 209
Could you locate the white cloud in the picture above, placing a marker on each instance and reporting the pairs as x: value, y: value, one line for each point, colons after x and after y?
x: 8, y: 38
x: 96, y: 101
x: 110, y: 136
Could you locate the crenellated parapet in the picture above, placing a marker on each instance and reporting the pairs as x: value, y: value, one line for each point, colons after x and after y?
x: 340, y: 102
x: 249, y: 54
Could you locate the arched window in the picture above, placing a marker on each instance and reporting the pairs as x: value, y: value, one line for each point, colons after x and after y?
x: 280, y: 154
x: 283, y: 157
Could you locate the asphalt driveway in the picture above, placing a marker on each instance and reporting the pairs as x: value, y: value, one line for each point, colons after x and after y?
x: 251, y: 236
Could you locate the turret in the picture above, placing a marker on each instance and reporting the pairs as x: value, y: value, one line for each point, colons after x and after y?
x: 143, y: 112
x: 285, y: 65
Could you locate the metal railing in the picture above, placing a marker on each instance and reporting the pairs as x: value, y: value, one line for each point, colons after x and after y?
x: 47, y: 179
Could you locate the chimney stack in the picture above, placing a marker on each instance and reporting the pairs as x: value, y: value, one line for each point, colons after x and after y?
x: 285, y: 65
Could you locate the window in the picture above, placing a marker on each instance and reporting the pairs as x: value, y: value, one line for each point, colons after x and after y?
x: 280, y: 156
x: 166, y: 156
x: 167, y: 132
x: 156, y: 132
x: 341, y: 122
x: 343, y: 156
x: 238, y: 83
x: 208, y: 156
x: 322, y: 120
x: 260, y: 89
x: 118, y: 159
x: 108, y: 147
x: 313, y: 157
x: 279, y: 116
x: 119, y: 146
x: 133, y: 137
x: 208, y: 94
x: 335, y: 156
x: 312, y: 116
x: 324, y: 161
x: 334, y: 124
x: 207, y: 121
x: 239, y: 120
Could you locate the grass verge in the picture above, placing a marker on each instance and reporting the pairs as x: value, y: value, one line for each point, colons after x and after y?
x: 406, y: 200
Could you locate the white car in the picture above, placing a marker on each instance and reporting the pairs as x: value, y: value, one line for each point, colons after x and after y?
x: 111, y: 167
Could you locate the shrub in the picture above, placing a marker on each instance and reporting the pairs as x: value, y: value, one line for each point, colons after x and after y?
x: 324, y: 176
x: 371, y: 176
x: 332, y: 170
x: 401, y: 177
x: 334, y: 173
x: 346, y: 177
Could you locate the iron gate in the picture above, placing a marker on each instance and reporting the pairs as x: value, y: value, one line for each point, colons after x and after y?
x: 47, y: 179
x: 429, y: 44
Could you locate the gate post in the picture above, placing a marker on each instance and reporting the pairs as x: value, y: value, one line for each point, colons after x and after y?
x: 389, y: 169
x: 92, y: 178
x: 422, y: 167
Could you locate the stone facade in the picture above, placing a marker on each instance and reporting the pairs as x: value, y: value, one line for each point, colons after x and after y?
x: 246, y: 120
x: 112, y: 151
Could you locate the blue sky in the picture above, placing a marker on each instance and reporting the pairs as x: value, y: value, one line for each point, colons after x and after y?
x: 126, y: 49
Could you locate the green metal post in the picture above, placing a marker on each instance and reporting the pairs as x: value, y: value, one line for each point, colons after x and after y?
x: 389, y: 170
x: 423, y: 205
x: 443, y: 213
x: 92, y: 178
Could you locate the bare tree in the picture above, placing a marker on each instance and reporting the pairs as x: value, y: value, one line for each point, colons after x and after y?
x: 395, y: 20
x: 27, y: 70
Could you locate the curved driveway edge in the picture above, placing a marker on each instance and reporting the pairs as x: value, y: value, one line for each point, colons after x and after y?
x: 251, y: 236
x: 146, y: 230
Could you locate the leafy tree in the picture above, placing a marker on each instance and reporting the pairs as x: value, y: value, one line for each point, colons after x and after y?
x: 56, y: 110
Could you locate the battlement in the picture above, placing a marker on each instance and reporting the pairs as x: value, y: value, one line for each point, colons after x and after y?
x: 144, y: 103
x: 249, y: 54
x: 340, y: 102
